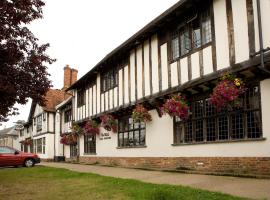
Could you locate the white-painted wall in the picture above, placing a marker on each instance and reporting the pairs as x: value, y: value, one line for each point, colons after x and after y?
x: 164, y: 66
x: 139, y: 73
x: 174, y: 74
x: 184, y: 70
x: 221, y: 33
x: 154, y: 56
x: 195, y: 66
x: 132, y: 76
x: 240, y: 25
x: 159, y: 137
x: 146, y: 55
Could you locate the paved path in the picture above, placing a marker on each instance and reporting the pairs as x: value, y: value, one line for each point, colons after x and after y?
x: 244, y: 187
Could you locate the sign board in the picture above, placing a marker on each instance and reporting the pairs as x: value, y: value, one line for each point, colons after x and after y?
x: 104, y: 136
x: 19, y: 127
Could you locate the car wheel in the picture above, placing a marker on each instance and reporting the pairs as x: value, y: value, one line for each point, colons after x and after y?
x: 29, y: 163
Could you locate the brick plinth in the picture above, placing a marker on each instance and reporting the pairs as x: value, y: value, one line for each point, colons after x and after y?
x: 223, y: 165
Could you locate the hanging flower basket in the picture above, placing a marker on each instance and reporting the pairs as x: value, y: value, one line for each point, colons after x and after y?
x: 70, y: 139
x: 91, y: 127
x: 109, y: 123
x: 227, y: 92
x: 176, y: 106
x: 141, y: 114
x: 76, y: 129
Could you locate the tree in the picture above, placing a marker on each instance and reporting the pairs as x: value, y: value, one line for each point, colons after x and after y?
x: 23, y: 70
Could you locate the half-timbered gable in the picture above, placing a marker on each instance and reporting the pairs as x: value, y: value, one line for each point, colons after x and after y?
x: 39, y: 130
x: 186, y: 49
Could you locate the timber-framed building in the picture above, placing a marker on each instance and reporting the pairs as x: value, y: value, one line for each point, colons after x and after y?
x: 186, y: 49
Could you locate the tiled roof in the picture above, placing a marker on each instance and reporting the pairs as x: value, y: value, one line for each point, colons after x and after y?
x: 53, y: 98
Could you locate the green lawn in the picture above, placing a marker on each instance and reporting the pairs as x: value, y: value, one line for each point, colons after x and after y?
x: 41, y: 183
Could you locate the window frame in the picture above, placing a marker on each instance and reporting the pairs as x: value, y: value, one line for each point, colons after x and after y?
x: 68, y: 115
x: 81, y: 98
x: 90, y: 147
x: 179, y: 137
x: 129, y: 130
x: 109, y: 80
x: 188, y: 27
x: 39, y: 122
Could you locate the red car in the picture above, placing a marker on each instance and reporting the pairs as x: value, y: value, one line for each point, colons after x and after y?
x: 12, y: 157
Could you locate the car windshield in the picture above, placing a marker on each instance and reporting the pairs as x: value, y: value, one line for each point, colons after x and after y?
x: 6, y: 150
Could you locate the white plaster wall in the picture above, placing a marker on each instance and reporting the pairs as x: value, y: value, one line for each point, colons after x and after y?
x: 126, y: 80
x: 51, y: 122
x: 221, y: 33
x: 38, y: 110
x: 146, y: 68
x: 164, y: 66
x: 67, y: 151
x: 58, y: 146
x: 240, y: 25
x: 86, y: 100
x: 95, y: 99
x: 195, y: 65
x: 257, y: 46
x: 184, y: 70
x: 174, y: 74
x: 75, y: 114
x: 106, y: 101
x: 15, y: 143
x: 159, y: 137
x: 102, y: 102
x: 120, y: 81
x: 115, y: 96
x: 265, y: 7
x: 49, y: 148
x: 132, y: 75
x: 265, y: 98
x: 98, y: 93
x: 207, y: 60
x: 111, y: 99
x: 154, y: 55
x: 91, y: 101
x: 139, y: 72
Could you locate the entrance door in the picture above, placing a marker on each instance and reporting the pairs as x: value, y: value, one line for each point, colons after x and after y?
x: 73, y: 151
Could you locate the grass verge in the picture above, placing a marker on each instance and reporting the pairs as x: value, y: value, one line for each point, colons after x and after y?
x: 60, y: 184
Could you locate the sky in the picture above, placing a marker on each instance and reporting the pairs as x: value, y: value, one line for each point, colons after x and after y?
x: 82, y: 32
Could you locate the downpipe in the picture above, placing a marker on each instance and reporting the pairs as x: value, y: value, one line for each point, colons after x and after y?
x: 262, y: 50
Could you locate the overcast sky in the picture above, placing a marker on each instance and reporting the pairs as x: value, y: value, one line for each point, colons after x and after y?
x: 82, y: 32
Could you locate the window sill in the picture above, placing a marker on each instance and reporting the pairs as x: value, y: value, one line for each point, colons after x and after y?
x: 132, y: 147
x: 191, y: 52
x: 221, y: 141
x: 90, y: 154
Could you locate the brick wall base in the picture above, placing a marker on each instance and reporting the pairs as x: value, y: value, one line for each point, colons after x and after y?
x: 246, y: 166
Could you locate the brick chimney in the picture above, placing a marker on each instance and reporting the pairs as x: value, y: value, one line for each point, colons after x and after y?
x: 70, y: 76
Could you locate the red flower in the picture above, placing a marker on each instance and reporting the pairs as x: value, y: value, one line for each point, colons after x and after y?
x: 177, y: 106
x: 91, y: 128
x: 109, y: 123
x: 227, y: 91
x: 140, y: 113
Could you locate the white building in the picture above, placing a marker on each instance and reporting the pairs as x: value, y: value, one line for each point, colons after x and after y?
x: 9, y: 137
x: 40, y: 127
x: 186, y: 49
